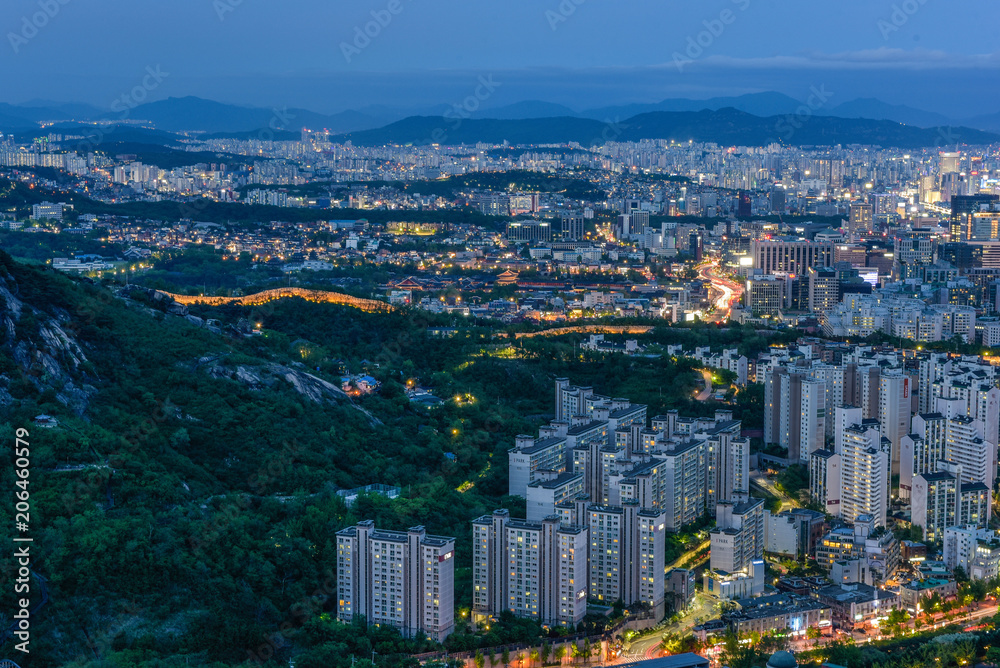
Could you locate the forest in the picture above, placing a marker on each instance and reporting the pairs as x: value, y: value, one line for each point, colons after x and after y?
x: 186, y: 502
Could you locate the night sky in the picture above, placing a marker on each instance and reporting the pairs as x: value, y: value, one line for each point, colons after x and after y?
x: 936, y: 55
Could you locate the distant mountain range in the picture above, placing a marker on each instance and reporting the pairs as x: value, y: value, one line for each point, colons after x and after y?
x: 724, y: 126
x: 762, y: 114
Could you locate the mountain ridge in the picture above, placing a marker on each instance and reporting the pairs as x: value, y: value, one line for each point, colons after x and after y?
x: 192, y: 114
x: 730, y: 127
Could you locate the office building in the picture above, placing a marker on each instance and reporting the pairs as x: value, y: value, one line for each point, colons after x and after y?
x: 573, y: 226
x: 824, y: 289
x: 765, y: 295
x: 526, y: 231
x: 862, y: 220
x: 49, y: 211
x: 963, y: 210
x: 790, y: 256
x: 744, y: 205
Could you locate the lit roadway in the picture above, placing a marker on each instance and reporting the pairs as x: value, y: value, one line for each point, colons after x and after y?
x: 705, y: 394
x: 648, y: 647
x: 728, y: 292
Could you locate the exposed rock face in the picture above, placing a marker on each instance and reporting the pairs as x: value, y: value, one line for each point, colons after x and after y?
x: 177, y: 309
x: 263, y: 376
x: 52, y: 359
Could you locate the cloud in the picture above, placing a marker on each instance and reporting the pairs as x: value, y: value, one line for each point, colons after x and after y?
x: 881, y: 58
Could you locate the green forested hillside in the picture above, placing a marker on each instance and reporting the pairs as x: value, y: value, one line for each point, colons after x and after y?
x: 184, y: 509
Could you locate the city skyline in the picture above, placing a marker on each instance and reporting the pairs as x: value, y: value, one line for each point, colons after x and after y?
x: 535, y: 334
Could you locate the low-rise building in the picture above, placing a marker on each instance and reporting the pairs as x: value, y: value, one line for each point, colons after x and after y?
x: 779, y: 613
x: 729, y: 586
x: 975, y: 550
x: 913, y: 592
x: 857, y: 604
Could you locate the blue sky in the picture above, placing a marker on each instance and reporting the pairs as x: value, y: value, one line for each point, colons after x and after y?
x: 934, y: 54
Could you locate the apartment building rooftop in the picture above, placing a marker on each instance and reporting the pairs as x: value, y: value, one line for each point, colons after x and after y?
x: 558, y: 481
x: 542, y: 444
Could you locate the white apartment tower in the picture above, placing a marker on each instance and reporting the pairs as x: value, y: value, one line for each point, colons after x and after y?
x: 536, y: 570
x: 864, y: 473
x: 894, y: 410
x: 825, y: 480
x: 402, y: 579
x: 627, y: 552
x: 738, y: 536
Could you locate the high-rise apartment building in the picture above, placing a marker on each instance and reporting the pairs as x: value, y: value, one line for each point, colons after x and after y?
x: 864, y: 473
x: 402, y: 579
x: 795, y: 412
x: 738, y: 536
x: 536, y: 570
x: 545, y: 494
x: 684, y: 471
x: 934, y: 503
x: 825, y: 481
x: 941, y: 499
x: 895, y: 402
x: 627, y: 552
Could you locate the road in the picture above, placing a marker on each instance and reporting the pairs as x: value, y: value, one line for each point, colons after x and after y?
x: 728, y: 292
x: 648, y: 647
x: 643, y: 648
x: 677, y: 563
x: 764, y: 483
x: 859, y: 638
x: 707, y: 392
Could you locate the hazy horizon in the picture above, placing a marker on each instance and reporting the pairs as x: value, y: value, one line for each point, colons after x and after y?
x: 578, y: 53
